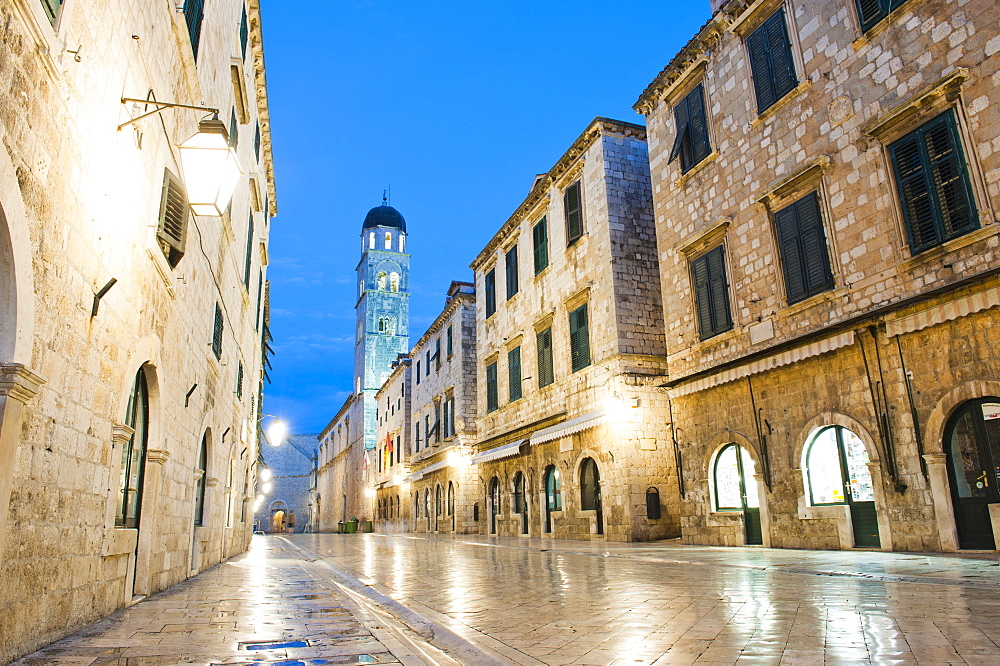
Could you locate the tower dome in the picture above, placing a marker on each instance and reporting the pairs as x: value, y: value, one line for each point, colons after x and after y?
x: 384, y: 216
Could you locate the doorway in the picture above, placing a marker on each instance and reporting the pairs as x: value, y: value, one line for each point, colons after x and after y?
x: 837, y: 471
x: 590, y: 491
x: 521, y: 501
x: 553, y: 495
x: 972, y: 444
x: 494, y: 503
x: 736, y: 490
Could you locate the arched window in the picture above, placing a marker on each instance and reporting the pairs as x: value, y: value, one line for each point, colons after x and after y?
x: 394, y: 281
x: 451, y: 498
x: 589, y: 485
x: 371, y: 240
x: 518, y: 506
x: 133, y: 460
x: 553, y: 488
x: 735, y: 486
x: 836, y: 464
x: 427, y: 502
x: 388, y: 240
x: 495, y: 496
x: 380, y: 281
x: 401, y: 244
x: 199, y: 498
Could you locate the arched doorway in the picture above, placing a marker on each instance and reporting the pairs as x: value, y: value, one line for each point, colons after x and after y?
x: 437, y: 508
x: 735, y: 489
x: 836, y: 464
x: 590, y: 491
x: 133, y: 461
x: 494, y: 501
x: 521, y: 501
x: 202, y: 485
x: 972, y: 444
x: 451, y: 504
x: 553, y: 495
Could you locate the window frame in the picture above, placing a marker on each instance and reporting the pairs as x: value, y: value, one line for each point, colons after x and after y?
x: 769, y: 64
x: 490, y: 292
x: 492, y: 394
x: 784, y: 219
x: 136, y: 417
x: 573, y: 233
x: 540, y: 244
x: 580, y: 357
x: 717, y: 328
x: 511, y: 272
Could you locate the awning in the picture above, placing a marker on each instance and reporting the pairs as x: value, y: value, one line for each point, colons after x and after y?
x: 959, y: 307
x: 441, y: 464
x: 566, y: 428
x: 505, y: 451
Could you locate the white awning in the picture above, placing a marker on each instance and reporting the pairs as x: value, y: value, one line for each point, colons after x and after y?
x: 766, y: 363
x: 959, y: 307
x: 441, y: 464
x: 505, y: 451
x: 567, y: 428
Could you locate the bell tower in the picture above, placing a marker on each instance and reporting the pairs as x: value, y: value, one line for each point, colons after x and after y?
x: 382, y: 307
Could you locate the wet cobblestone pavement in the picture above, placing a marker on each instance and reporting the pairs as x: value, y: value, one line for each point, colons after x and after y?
x: 379, y: 599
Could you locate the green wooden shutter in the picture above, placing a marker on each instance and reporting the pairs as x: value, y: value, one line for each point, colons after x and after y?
x: 681, y: 120
x: 702, y: 296
x: 492, y: 402
x: 511, y: 272
x: 790, y: 246
x: 816, y: 259
x: 450, y: 346
x: 540, y: 241
x: 234, y: 130
x: 871, y: 12
x: 771, y: 61
x: 194, y: 12
x: 52, y: 8
x: 763, y: 85
x: 239, y: 382
x: 720, y: 294
x: 514, y: 373
x: 171, y: 230
x: 217, y: 333
x: 244, y: 33
x: 246, y: 268
x: 256, y: 142
x: 490, y: 285
x: 545, y: 371
x: 574, y: 215
x: 579, y: 338
x: 698, y: 127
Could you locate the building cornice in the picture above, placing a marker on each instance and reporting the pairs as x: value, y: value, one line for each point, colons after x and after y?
x: 456, y: 301
x: 335, y: 419
x: 540, y: 189
x: 263, y: 108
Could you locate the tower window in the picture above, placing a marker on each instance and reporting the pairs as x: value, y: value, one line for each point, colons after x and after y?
x: 394, y: 281
x: 388, y: 240
x: 401, y: 244
x: 371, y: 240
x: 380, y: 281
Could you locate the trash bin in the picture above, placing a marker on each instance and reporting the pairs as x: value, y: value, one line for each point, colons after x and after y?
x: 368, y: 526
x: 340, y: 527
x: 352, y: 526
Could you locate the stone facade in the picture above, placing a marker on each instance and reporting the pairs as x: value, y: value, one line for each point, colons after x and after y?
x: 593, y: 214
x: 291, y: 466
x: 179, y: 331
x: 341, y: 469
x: 898, y: 337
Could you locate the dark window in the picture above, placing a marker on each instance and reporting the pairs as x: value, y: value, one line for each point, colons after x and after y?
x: 450, y: 404
x: 239, y: 381
x: 511, y: 272
x: 437, y: 354
x: 691, y: 143
x: 492, y: 401
x: 574, y: 212
x: 133, y: 456
x: 514, y: 373
x: 872, y: 11
x: 546, y: 374
x: 579, y: 338
x: 246, y: 268
x: 199, y: 498
x: 711, y: 293
x: 171, y: 229
x: 589, y: 485
x: 194, y: 12
x: 427, y: 357
x: 540, y: 242
x: 244, y: 33
x: 933, y: 184
x: 802, y: 245
x: 256, y: 142
x: 553, y: 489
x: 416, y: 435
x: 771, y: 61
x: 652, y: 504
x: 418, y: 372
x: 260, y: 293
x: 436, y: 428
x: 234, y: 130
x: 491, y: 292
x: 450, y: 345
x: 52, y: 8
x: 217, y: 333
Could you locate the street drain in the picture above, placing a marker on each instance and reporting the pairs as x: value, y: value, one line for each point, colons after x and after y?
x: 272, y: 645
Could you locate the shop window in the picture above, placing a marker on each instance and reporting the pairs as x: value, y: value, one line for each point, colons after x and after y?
x: 653, y: 504
x: 518, y: 499
x: 589, y: 485
x: 733, y: 476
x: 805, y: 261
x: 771, y: 61
x: 711, y: 293
x: 933, y: 184
x: 553, y: 488
x: 691, y: 143
x: 836, y: 467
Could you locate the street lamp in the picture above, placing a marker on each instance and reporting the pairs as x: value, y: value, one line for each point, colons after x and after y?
x: 276, y: 432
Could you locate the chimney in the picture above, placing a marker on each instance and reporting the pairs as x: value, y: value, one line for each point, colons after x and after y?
x: 717, y: 5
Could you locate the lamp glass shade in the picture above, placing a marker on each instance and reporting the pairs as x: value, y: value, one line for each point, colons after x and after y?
x: 211, y: 169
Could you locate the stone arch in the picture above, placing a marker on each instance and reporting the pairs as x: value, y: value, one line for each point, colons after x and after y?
x: 813, y: 425
x: 937, y: 422
x: 578, y: 464
x: 720, y: 442
x: 17, y: 290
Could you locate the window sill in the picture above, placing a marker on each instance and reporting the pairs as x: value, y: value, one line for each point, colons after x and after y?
x: 955, y: 244
x: 812, y: 301
x: 690, y: 173
x: 866, y: 37
x: 773, y: 110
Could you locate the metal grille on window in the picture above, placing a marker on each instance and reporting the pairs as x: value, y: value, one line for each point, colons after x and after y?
x: 171, y: 230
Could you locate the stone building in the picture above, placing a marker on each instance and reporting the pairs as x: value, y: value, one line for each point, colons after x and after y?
x: 825, y: 178
x: 338, y: 494
x: 288, y: 504
x: 572, y: 441
x: 131, y: 302
x: 427, y: 425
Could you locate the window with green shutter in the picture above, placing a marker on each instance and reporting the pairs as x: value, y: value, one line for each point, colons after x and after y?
x: 933, y: 184
x: 510, y: 266
x: 244, y: 33
x: 490, y: 286
x: 171, y: 229
x: 256, y: 142
x: 217, y: 333
x: 492, y: 400
x: 771, y: 61
x: 234, y: 130
x: 514, y: 373
x: 691, y: 143
x: 579, y: 338
x: 546, y: 374
x: 802, y: 246
x: 52, y: 8
x: 871, y: 12
x: 451, y: 343
x: 573, y: 208
x: 540, y: 241
x: 194, y: 12
x: 239, y: 382
x: 246, y: 268
x: 711, y: 293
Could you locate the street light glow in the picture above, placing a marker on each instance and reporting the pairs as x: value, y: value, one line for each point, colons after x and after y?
x: 267, y: 488
x: 276, y: 432
x: 211, y: 170
x: 265, y: 474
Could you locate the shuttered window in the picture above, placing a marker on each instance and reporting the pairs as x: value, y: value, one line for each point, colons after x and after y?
x: 171, y: 230
x: 771, y: 61
x: 871, y: 12
x: 802, y: 245
x: 451, y: 343
x: 510, y: 266
x: 514, y: 373
x: 579, y: 338
x: 691, y: 143
x: 490, y: 285
x: 239, y: 382
x: 437, y: 354
x: 217, y: 333
x: 492, y: 401
x: 546, y: 375
x: 256, y: 142
x: 573, y: 208
x: 540, y: 242
x: 194, y: 12
x: 234, y: 129
x: 711, y: 293
x: 244, y: 33
x: 246, y: 268
x: 933, y: 184
x: 52, y: 8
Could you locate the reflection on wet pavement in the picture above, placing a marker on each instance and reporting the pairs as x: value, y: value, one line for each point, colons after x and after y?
x: 561, y: 602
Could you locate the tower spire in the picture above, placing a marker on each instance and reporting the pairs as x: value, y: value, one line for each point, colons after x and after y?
x: 385, y: 199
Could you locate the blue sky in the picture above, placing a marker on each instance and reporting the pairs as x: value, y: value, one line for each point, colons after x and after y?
x: 456, y: 106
